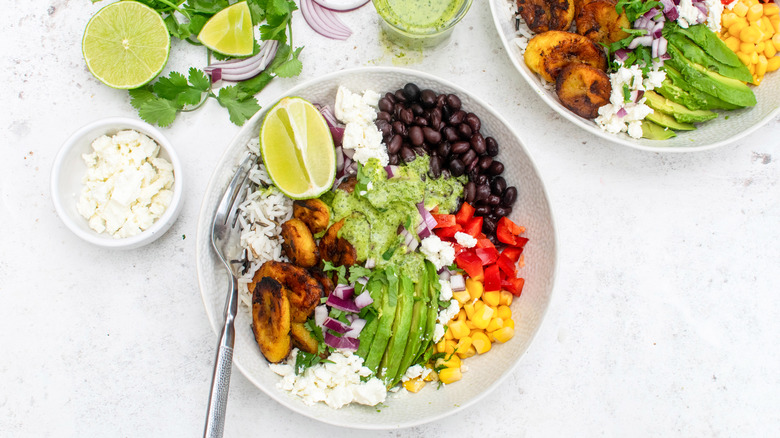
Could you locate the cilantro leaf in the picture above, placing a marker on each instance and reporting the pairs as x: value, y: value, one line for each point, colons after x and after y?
x: 257, y: 10
x: 199, y: 80
x: 291, y: 67
x: 357, y: 271
x: 140, y: 96
x: 340, y: 270
x: 239, y: 107
x: 159, y: 111
x: 177, y: 89
x: 207, y: 6
x: 176, y: 29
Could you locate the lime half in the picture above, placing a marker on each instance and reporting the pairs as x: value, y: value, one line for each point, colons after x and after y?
x: 126, y: 44
x: 297, y: 149
x: 230, y: 31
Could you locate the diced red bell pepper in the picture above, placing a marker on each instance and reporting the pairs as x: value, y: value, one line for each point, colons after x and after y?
x: 487, y: 255
x: 458, y: 248
x: 492, y: 278
x: 469, y: 262
x: 508, y: 232
x: 447, y: 232
x: 464, y: 215
x: 513, y: 285
x: 483, y: 242
x: 474, y: 226
x: 513, y: 253
x: 507, y: 265
x: 444, y: 220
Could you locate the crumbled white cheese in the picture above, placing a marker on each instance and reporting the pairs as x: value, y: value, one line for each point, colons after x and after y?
x: 415, y: 371
x: 635, y: 109
x: 689, y: 14
x: 361, y: 135
x: 445, y: 293
x: 465, y: 240
x: 438, y: 332
x: 449, y: 312
x: 336, y: 383
x: 714, y: 12
x: 440, y: 253
x: 127, y: 186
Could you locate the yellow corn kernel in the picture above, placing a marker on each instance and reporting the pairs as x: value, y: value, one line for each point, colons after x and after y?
x: 448, y: 334
x: 760, y: 47
x: 773, y: 63
x: 478, y: 304
x: 733, y: 43
x: 461, y: 315
x: 441, y: 346
x: 492, y: 297
x: 462, y: 296
x: 463, y: 345
x: 761, y: 66
x: 475, y: 288
x: 776, y: 41
x: 746, y: 48
x: 737, y: 27
x: 775, y: 20
x: 771, y: 9
x: 506, y: 298
x: 751, y: 34
x: 503, y: 334
x: 504, y: 312
x: 450, y: 375
x: 754, y: 58
x: 741, y: 9
x: 755, y: 12
x: 449, y: 346
x: 481, y: 342
x: 727, y: 19
x: 482, y: 317
x: 458, y: 329
x: 744, y: 57
x: 414, y: 385
x: 509, y: 323
x: 449, y: 361
x: 752, y: 70
x: 470, y: 324
x: 769, y: 50
x: 495, y: 324
x: 467, y: 353
x: 469, y: 309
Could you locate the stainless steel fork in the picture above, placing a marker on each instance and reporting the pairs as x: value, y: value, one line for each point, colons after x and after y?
x: 225, y: 235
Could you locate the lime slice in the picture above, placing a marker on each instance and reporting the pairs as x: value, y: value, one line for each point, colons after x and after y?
x: 126, y: 44
x: 297, y: 149
x: 229, y: 31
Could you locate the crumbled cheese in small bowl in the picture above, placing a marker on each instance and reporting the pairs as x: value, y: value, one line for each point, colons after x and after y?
x: 138, y: 183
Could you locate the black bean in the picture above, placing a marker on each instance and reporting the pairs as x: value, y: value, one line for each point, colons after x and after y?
x: 428, y: 149
x: 482, y: 193
x: 453, y: 102
x: 502, y: 211
x: 446, y: 112
x: 399, y: 128
x: 456, y: 167
x: 395, y: 144
x: 485, y: 162
x: 416, y: 135
x: 406, y: 116
x: 420, y: 121
x: 510, y: 196
x: 444, y: 149
x: 385, y: 104
x: 420, y: 151
x: 497, y: 168
x: 456, y: 118
x: 460, y: 147
x: 469, y: 191
x: 481, y: 179
x: 493, y: 200
x: 417, y: 109
x: 393, y: 159
x: 399, y: 95
x: 435, y: 117
x: 397, y: 108
x: 445, y: 173
x: 407, y: 154
x: 482, y: 210
x: 492, y: 146
x: 432, y: 136
x: 469, y: 157
x: 489, y: 227
x: 436, y: 166
x: 473, y: 121
x: 472, y: 168
x: 412, y: 92
x: 472, y: 173
x: 384, y: 127
x: 391, y: 97
x: 493, y: 215
x: 384, y: 115
x: 449, y: 134
x: 498, y: 185
x: 478, y: 143
x: 441, y: 100
x: 464, y: 131
x: 428, y: 98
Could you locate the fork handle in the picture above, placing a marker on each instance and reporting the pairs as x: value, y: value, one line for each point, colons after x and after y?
x: 223, y: 366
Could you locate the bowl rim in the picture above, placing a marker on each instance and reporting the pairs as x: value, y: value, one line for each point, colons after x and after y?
x: 205, y: 214
x: 160, y: 225
x: 593, y: 129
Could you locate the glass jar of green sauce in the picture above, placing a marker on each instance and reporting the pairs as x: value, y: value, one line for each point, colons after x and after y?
x: 420, y: 23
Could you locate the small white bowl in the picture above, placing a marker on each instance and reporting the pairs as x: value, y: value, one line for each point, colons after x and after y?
x: 69, y: 169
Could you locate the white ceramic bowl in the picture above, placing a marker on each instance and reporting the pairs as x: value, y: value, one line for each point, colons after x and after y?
x: 729, y: 127
x: 69, y: 169
x: 485, y: 372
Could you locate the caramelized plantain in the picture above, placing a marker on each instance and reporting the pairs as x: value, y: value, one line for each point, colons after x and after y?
x: 599, y: 21
x: 302, y: 338
x: 547, y: 53
x: 313, y: 212
x: 583, y: 89
x: 271, y: 319
x: 323, y: 279
x: 335, y: 249
x: 298, y: 244
x: 544, y: 15
x: 304, y: 291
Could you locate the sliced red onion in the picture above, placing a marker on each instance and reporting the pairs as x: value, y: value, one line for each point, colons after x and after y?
x: 335, y: 325
x: 391, y: 170
x: 363, y: 300
x: 341, y: 304
x: 645, y: 40
x: 344, y: 342
x: 457, y: 283
x: 324, y: 21
x: 341, y: 5
x: 622, y: 112
x: 235, y: 70
x: 343, y: 291
x: 320, y: 314
x: 216, y: 75
x: 356, y: 327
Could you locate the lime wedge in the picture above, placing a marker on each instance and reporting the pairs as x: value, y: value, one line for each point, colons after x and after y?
x: 229, y: 31
x: 297, y: 149
x: 126, y: 44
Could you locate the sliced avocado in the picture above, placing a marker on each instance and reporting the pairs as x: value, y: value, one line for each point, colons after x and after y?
x: 676, y: 89
x: 690, y: 50
x: 667, y: 121
x: 419, y: 317
x: 707, y: 40
x: 386, y: 316
x: 730, y: 90
x: 376, y: 287
x: 679, y: 112
x: 434, y: 288
x: 654, y: 131
x: 391, y: 360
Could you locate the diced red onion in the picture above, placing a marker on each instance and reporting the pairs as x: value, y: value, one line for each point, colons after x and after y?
x: 344, y: 291
x: 341, y: 304
x: 320, y: 314
x: 341, y: 5
x: 339, y: 160
x: 639, y: 94
x: 356, y: 327
x: 391, y: 170
x: 370, y: 263
x: 323, y: 21
x: 363, y: 300
x: 423, y: 231
x: 657, y: 28
x: 335, y: 325
x: 654, y: 48
x: 457, y: 283
x: 673, y: 14
x: 344, y: 342
x: 621, y: 55
x: 668, y: 5
x: 426, y: 215
x: 351, y: 168
x: 622, y: 112
x: 351, y: 317
x: 444, y: 274
x: 649, y: 15
x: 349, y: 153
x: 663, y: 45
x: 645, y: 40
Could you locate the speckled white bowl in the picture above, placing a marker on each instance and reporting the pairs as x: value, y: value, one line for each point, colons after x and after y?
x: 69, y: 169
x: 484, y: 372
x: 729, y: 127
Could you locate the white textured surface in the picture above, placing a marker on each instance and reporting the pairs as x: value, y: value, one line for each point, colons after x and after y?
x: 664, y: 321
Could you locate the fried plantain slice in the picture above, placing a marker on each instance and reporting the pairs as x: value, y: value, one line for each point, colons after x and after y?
x: 335, y: 249
x: 547, y: 53
x: 323, y: 279
x: 313, y: 212
x: 298, y: 244
x: 304, y: 291
x: 302, y: 338
x: 544, y: 15
x: 583, y: 89
x: 600, y: 22
x: 271, y: 319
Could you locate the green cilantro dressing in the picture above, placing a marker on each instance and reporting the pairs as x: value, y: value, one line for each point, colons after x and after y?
x: 418, y: 16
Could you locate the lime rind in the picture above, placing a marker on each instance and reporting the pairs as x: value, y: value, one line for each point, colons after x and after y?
x: 229, y: 31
